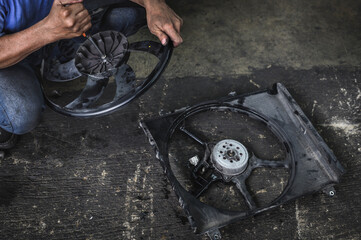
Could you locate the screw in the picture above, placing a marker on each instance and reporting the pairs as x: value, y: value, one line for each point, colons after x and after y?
x: 231, y: 153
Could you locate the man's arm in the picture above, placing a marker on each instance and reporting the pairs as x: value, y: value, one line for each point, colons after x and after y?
x: 162, y: 21
x: 67, y: 19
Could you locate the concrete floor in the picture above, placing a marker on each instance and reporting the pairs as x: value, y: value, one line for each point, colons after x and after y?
x: 99, y: 179
x: 234, y: 37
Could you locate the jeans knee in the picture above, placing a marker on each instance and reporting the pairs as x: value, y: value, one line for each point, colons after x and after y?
x: 21, y: 99
x: 29, y: 118
x: 23, y: 117
x: 127, y: 20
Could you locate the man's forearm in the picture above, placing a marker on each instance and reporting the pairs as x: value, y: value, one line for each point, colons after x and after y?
x: 147, y: 3
x: 17, y: 46
x: 67, y: 19
x: 162, y: 21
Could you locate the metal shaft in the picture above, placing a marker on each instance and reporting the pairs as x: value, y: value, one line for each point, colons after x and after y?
x: 96, y: 46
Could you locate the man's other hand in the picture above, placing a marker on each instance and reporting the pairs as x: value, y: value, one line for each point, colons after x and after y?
x: 67, y: 19
x: 164, y: 22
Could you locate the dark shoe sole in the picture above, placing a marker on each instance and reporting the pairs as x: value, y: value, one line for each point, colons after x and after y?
x: 9, y: 143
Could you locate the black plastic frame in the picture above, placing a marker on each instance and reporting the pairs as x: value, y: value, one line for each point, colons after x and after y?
x: 312, y: 164
x: 163, y: 53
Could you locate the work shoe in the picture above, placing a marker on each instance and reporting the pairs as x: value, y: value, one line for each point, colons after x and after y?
x: 67, y: 49
x: 7, y: 139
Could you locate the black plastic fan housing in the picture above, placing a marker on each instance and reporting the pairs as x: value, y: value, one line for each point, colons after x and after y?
x: 101, y: 57
x: 311, y: 164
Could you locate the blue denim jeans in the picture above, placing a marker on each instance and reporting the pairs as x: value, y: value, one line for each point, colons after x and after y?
x: 21, y: 99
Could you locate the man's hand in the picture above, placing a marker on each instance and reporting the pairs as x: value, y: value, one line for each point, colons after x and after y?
x: 162, y: 21
x: 67, y: 19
